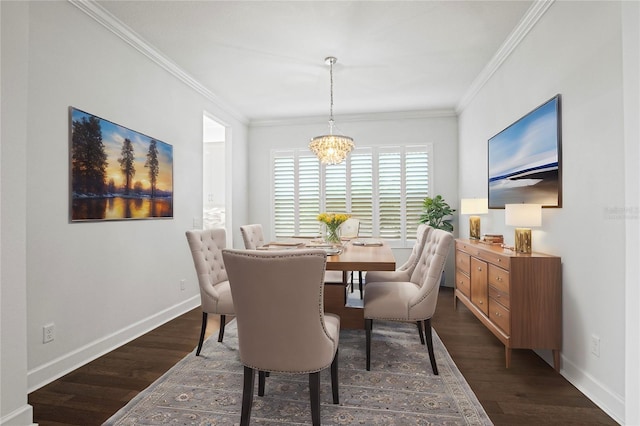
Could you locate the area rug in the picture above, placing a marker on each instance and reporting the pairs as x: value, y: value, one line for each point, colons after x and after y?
x: 400, y: 389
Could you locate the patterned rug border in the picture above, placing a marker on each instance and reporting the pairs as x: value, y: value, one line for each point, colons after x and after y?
x: 366, y: 397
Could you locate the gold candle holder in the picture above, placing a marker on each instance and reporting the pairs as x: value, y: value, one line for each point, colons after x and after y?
x: 523, y: 240
x: 474, y: 207
x: 474, y: 227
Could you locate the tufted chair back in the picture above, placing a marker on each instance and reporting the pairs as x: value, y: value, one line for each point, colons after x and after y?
x: 427, y: 274
x: 206, y: 249
x: 421, y: 238
x: 215, y: 294
x: 253, y: 236
x: 404, y: 272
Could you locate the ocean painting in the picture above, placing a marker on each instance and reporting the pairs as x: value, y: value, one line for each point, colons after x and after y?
x: 524, y: 160
x: 118, y: 173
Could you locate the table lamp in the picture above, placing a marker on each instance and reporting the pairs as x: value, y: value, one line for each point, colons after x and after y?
x: 474, y: 207
x: 523, y: 217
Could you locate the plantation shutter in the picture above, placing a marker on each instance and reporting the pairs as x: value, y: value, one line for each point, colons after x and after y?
x: 390, y: 195
x: 284, y: 194
x: 416, y: 188
x: 362, y: 191
x: 336, y: 188
x: 383, y: 187
x: 309, y: 195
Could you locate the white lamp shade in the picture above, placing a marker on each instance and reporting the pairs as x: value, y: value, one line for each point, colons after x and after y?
x: 474, y: 206
x: 523, y: 215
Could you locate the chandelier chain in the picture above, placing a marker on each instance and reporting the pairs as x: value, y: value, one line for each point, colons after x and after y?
x: 331, y: 77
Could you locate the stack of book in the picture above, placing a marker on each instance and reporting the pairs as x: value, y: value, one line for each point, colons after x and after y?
x: 493, y: 238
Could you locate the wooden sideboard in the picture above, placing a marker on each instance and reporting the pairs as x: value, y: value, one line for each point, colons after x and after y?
x: 518, y: 297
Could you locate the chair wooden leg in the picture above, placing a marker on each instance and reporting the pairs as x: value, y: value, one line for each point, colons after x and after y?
x: 314, y: 393
x: 351, y: 281
x: 368, y: 325
x: 223, y: 320
x: 432, y: 356
x: 247, y: 396
x: 360, y: 282
x: 419, y: 324
x: 261, y: 381
x: 202, y: 330
x: 334, y: 379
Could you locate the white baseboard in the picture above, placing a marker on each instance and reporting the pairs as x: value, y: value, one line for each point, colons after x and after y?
x: 610, y: 402
x: 20, y: 417
x: 46, y: 373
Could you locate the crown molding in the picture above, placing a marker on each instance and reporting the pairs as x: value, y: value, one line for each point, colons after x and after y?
x: 346, y: 118
x: 102, y: 16
x: 528, y: 21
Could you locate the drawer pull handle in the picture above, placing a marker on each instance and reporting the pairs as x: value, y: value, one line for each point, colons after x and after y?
x: 498, y: 279
x: 479, y: 268
x: 480, y: 302
x: 499, y: 260
x: 498, y: 297
x: 498, y: 314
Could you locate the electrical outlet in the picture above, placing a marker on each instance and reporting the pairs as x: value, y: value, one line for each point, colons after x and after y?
x: 595, y: 345
x: 48, y: 333
x: 183, y: 284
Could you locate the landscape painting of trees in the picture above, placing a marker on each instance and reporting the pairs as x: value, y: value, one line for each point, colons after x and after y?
x: 118, y: 173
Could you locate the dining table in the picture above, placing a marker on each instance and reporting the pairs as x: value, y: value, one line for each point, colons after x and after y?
x: 361, y: 254
x: 372, y: 255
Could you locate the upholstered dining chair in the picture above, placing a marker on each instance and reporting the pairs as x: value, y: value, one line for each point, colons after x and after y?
x: 215, y: 295
x: 414, y: 300
x: 404, y: 272
x: 252, y: 235
x: 350, y: 228
x: 282, y: 327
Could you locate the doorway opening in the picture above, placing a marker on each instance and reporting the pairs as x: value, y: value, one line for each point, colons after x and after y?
x: 214, y: 174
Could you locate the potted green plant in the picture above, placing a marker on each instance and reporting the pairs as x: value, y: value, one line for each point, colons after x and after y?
x: 437, y: 213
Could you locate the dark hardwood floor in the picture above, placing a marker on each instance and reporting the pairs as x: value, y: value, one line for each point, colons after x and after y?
x: 528, y: 393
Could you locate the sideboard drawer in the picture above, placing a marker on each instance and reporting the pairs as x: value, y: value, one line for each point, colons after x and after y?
x: 463, y: 262
x: 463, y: 283
x: 495, y: 258
x: 499, y: 296
x: 500, y: 316
x: 499, y: 278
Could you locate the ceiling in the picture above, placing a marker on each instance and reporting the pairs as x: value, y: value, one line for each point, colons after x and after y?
x: 265, y: 59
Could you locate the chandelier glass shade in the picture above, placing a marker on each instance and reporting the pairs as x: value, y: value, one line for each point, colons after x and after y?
x: 331, y: 148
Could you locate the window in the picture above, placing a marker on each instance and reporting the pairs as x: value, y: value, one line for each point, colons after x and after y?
x: 383, y: 187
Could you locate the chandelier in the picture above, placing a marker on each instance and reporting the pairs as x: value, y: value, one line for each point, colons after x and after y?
x: 331, y: 149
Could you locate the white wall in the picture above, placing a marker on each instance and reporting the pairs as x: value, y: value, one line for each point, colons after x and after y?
x: 575, y: 50
x: 101, y: 283
x: 437, y: 128
x: 14, y: 409
x: 631, y: 84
